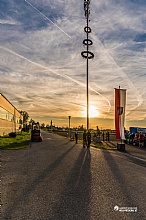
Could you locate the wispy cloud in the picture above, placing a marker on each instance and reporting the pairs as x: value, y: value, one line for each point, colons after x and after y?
x: 47, y: 18
x: 40, y: 61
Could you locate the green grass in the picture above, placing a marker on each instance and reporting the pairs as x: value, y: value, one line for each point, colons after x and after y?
x: 96, y: 145
x: 100, y: 146
x: 103, y: 146
x: 21, y: 141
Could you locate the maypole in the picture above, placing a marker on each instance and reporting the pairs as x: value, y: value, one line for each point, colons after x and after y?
x: 87, y: 54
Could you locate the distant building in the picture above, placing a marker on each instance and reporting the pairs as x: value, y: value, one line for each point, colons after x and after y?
x: 10, y: 117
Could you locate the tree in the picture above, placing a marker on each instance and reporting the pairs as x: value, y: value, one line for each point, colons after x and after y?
x: 42, y: 125
x: 25, y: 116
x: 31, y: 123
x: 25, y: 119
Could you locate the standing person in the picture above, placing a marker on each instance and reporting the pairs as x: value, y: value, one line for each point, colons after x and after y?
x: 76, y: 136
x: 88, y: 139
x: 131, y: 138
x: 145, y: 140
x: 103, y: 136
x: 108, y: 136
x: 84, y: 138
x: 141, y: 139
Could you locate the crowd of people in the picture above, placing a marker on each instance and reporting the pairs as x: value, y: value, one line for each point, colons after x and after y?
x: 86, y: 138
x: 138, y: 139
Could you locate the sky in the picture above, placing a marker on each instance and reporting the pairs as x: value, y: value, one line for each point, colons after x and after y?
x: 42, y: 70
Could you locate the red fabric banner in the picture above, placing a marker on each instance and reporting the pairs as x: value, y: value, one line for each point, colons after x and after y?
x: 120, y: 103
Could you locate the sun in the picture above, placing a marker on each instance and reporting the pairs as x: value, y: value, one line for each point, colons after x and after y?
x: 93, y: 112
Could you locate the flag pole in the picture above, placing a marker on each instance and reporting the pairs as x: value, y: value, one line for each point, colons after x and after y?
x: 120, y: 116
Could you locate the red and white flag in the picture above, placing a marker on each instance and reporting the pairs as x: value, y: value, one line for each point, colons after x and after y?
x: 120, y: 104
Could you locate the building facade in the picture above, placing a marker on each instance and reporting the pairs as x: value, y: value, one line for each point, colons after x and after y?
x: 10, y: 117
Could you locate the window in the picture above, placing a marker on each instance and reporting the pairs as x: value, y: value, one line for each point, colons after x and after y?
x: 4, y: 114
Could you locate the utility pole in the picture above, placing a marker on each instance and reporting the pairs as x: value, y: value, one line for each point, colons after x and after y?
x: 51, y: 125
x: 69, y: 117
x: 87, y: 54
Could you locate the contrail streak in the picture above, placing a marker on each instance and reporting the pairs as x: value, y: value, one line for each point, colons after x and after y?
x: 47, y: 18
x: 58, y: 74
x: 30, y: 61
x: 93, y: 90
x: 130, y: 84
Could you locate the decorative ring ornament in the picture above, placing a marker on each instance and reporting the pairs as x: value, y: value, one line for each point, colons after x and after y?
x: 85, y: 54
x: 87, y: 29
x: 87, y: 42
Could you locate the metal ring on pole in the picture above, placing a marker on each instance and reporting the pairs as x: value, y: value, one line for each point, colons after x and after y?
x: 87, y: 54
x: 87, y: 42
x: 87, y: 29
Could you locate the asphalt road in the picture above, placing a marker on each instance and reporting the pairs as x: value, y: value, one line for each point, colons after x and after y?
x: 58, y: 179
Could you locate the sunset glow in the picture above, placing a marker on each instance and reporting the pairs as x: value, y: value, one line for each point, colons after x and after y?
x: 43, y: 73
x: 93, y: 112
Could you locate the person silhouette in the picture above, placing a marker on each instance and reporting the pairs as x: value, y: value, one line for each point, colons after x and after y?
x: 88, y: 139
x: 76, y: 136
x: 84, y: 138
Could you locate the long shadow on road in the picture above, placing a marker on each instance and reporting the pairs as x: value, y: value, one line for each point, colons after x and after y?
x: 32, y: 186
x: 74, y: 200
x: 122, y: 182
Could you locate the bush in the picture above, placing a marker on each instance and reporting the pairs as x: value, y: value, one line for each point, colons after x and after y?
x: 12, y: 134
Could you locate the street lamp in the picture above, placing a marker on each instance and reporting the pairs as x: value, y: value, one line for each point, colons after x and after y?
x: 69, y: 117
x: 51, y: 125
x: 87, y: 54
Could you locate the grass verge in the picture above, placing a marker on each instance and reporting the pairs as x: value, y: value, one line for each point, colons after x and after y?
x: 21, y: 141
x: 103, y: 146
x: 96, y: 145
x: 100, y: 146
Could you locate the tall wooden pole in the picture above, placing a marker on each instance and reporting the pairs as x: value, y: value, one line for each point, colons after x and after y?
x: 87, y: 80
x: 87, y: 54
